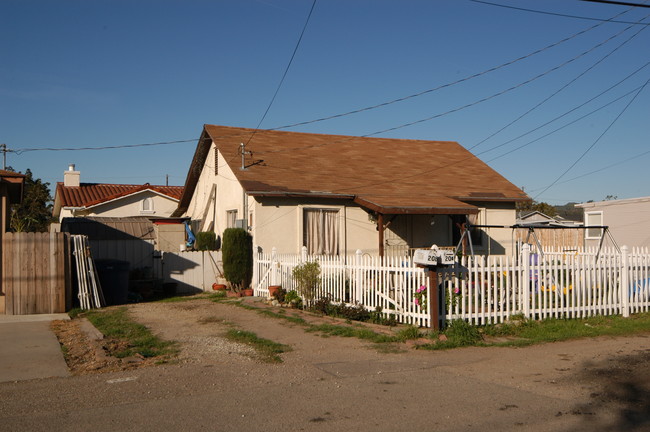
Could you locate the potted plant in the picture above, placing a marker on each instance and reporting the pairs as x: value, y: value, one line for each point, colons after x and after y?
x: 273, y: 290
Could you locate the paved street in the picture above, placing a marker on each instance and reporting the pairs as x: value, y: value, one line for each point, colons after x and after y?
x: 591, y: 384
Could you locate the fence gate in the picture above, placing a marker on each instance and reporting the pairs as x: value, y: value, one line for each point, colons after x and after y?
x: 36, y: 273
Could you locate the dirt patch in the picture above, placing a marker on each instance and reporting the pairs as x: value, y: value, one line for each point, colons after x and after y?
x: 84, y: 356
x: 199, y: 326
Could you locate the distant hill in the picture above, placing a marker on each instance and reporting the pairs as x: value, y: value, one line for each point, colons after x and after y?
x: 570, y: 212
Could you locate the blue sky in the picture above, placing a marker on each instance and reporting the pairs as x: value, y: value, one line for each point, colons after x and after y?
x: 92, y: 73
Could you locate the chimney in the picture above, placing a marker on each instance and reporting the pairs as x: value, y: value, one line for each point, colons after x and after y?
x: 71, y: 177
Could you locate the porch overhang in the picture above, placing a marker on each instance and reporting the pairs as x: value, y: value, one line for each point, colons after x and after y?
x: 437, y: 205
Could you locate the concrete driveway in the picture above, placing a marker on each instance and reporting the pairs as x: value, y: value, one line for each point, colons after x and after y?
x: 29, y: 348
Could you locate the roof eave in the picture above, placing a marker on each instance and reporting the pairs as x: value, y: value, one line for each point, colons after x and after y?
x: 445, y: 210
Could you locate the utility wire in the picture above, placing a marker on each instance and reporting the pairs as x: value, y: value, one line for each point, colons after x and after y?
x: 559, y: 128
x: 368, y: 108
x: 621, y: 162
x: 618, y: 3
x: 567, y: 84
x: 569, y: 111
x: 286, y: 70
x: 595, y: 142
x: 558, y: 14
x: 25, y: 150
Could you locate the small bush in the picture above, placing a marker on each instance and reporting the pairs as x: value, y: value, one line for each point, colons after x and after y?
x: 462, y: 333
x: 237, y: 257
x: 206, y: 240
x: 293, y: 298
x: 307, y: 278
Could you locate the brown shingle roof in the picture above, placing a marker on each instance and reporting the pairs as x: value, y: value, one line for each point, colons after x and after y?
x: 384, y: 174
x: 89, y: 194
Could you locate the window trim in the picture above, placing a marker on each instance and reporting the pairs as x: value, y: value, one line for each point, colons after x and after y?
x: 339, y: 225
x: 144, y: 210
x: 229, y: 214
x: 587, y: 229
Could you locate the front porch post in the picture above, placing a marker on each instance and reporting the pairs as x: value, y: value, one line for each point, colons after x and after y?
x: 380, y: 226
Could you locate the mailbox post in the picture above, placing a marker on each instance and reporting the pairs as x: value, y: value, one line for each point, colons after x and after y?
x: 431, y: 259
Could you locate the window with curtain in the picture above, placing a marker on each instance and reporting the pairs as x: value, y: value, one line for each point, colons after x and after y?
x: 321, y: 231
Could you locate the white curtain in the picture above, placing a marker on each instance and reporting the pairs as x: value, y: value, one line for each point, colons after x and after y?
x: 321, y: 234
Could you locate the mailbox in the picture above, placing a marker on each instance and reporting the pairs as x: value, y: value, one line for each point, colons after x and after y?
x: 433, y: 256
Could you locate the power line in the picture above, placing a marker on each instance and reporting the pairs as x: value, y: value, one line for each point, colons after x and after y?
x: 618, y: 3
x: 558, y: 14
x: 286, y: 70
x: 25, y: 150
x: 368, y: 108
x: 555, y: 130
x: 567, y: 84
x: 595, y: 142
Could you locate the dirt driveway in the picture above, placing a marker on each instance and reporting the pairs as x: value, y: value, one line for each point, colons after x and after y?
x: 598, y: 383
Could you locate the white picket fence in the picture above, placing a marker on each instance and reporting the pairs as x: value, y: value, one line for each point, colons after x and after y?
x: 480, y: 290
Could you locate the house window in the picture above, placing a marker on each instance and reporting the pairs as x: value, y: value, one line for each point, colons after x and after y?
x: 147, y: 205
x: 231, y: 218
x: 594, y: 219
x: 321, y: 231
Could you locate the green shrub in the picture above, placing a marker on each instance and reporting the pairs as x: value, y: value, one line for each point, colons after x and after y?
x: 462, y: 333
x: 307, y: 278
x: 293, y: 298
x: 206, y: 240
x: 237, y: 257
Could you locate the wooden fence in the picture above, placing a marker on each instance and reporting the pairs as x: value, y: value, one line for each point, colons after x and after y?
x: 480, y: 290
x: 36, y: 273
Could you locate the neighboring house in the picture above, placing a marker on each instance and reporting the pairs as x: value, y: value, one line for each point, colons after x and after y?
x: 75, y: 199
x: 123, y: 222
x: 628, y: 221
x: 556, y: 231
x: 540, y: 219
x: 336, y: 194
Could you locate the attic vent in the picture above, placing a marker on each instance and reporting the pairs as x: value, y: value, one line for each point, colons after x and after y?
x: 216, y: 160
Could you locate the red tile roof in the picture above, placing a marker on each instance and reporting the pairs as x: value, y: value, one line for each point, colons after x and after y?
x: 383, y: 174
x: 89, y: 194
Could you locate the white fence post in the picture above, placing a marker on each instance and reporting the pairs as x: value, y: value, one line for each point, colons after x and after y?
x: 274, y: 266
x: 303, y: 256
x: 357, y: 277
x: 525, y: 279
x: 625, y: 284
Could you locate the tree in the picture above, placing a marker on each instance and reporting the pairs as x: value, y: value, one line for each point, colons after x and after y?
x: 34, y: 214
x: 531, y: 206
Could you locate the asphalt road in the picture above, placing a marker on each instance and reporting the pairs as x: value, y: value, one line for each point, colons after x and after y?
x: 595, y: 384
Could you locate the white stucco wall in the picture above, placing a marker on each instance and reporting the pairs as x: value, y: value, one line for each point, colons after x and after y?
x: 215, y: 195
x: 131, y: 205
x: 627, y: 219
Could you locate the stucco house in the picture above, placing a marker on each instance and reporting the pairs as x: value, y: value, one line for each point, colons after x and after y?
x: 628, y: 221
x: 72, y: 198
x: 336, y: 194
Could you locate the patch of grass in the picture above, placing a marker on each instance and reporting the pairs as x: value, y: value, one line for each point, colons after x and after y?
x: 345, y: 331
x: 74, y: 313
x: 408, y: 332
x: 553, y: 330
x: 268, y: 350
x: 132, y: 338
